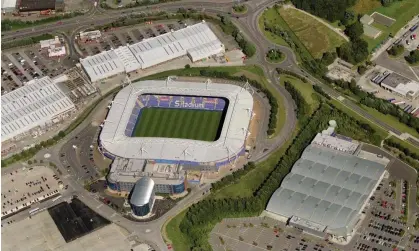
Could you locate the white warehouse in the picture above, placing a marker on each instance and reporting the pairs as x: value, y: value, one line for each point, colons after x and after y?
x: 35, y: 104
x: 196, y: 41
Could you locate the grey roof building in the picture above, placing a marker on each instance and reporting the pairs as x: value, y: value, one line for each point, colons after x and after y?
x: 326, y: 189
x: 143, y: 192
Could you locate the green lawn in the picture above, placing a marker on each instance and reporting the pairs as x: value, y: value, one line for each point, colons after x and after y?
x: 316, y: 37
x: 178, y: 123
x: 391, y: 120
x: 178, y: 239
x: 365, y: 6
x: 271, y: 16
x: 306, y: 89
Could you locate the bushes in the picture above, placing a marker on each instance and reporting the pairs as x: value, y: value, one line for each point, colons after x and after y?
x: 401, y: 148
x: 26, y: 41
x: 396, y: 50
x: 230, y: 179
x: 413, y: 57
x: 302, y: 106
x: 7, y: 24
x: 386, y: 107
x: 295, y: 75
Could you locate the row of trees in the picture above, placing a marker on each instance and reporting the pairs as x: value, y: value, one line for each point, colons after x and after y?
x: 7, y: 24
x: 229, y: 28
x: 303, y: 107
x: 392, y: 143
x: 230, y: 179
x: 396, y: 50
x: 386, y: 107
x: 331, y: 10
x: 26, y: 41
x: 320, y: 91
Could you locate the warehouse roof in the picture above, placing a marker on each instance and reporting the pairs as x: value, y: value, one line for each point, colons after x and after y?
x: 34, y: 5
x: 328, y: 188
x: 143, y: 190
x: 102, y: 65
x: 229, y: 144
x: 8, y: 4
x: 197, y: 40
x: 129, y: 61
x: 31, y: 105
x: 175, y: 44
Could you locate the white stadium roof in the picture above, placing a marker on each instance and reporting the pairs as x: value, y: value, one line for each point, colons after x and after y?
x: 230, y: 142
x: 198, y: 41
x: 32, y: 105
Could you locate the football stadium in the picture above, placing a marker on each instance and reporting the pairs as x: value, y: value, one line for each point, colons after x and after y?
x: 174, y: 125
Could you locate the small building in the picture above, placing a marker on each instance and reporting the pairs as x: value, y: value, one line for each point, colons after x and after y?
x: 401, y: 86
x: 56, y: 51
x: 143, y: 197
x: 8, y: 6
x: 50, y: 42
x: 366, y: 19
x: 90, y: 35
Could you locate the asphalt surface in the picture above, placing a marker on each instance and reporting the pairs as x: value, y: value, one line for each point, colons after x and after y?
x: 247, y: 23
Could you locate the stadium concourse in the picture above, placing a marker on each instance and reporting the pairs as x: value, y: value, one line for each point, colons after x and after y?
x: 166, y: 157
x: 328, y: 188
x: 197, y: 42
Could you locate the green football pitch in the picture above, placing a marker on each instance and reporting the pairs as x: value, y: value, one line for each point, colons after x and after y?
x: 179, y: 123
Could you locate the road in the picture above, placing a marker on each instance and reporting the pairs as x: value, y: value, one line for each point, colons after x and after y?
x: 247, y: 24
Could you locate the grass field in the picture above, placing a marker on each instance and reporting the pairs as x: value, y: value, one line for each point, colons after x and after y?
x: 271, y: 16
x: 316, y: 37
x: 390, y: 120
x: 366, y: 6
x: 179, y: 123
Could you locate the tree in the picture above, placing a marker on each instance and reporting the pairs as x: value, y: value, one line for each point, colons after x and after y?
x: 396, y: 50
x: 188, y: 66
x: 354, y: 30
x: 29, y: 162
x: 331, y: 10
x: 413, y: 57
x: 362, y: 69
x: 61, y: 134
x: 354, y: 52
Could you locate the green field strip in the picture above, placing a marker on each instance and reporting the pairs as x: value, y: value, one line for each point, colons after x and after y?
x: 168, y: 130
x: 187, y: 120
x: 162, y: 123
x: 197, y: 123
x: 208, y: 133
x: 181, y: 120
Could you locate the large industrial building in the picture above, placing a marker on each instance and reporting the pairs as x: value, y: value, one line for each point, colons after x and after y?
x: 8, y: 6
x: 166, y: 159
x: 36, y: 104
x: 327, y: 188
x: 143, y: 197
x: 401, y: 86
x: 196, y: 41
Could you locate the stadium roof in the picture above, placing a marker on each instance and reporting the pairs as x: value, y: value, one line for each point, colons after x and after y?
x: 34, y: 5
x: 143, y: 190
x: 229, y: 144
x: 328, y: 188
x: 198, y: 41
x: 32, y: 105
x: 102, y: 65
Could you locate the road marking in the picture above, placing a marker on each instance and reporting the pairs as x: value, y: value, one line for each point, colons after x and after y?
x: 99, y: 206
x: 414, y: 72
x: 113, y: 215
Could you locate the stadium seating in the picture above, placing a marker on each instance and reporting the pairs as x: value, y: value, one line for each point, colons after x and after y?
x: 171, y: 101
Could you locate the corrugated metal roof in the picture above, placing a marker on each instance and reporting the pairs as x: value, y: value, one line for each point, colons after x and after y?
x: 32, y: 105
x: 143, y: 190
x: 326, y: 187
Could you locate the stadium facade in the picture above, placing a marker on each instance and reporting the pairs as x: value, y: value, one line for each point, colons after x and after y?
x: 327, y: 189
x: 197, y: 42
x: 143, y: 197
x: 166, y: 159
